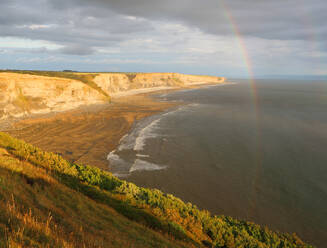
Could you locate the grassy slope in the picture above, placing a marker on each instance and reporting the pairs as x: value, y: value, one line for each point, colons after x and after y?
x: 37, y: 210
x: 89, y: 206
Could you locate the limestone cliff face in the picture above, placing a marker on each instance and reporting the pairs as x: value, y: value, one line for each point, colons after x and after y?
x: 120, y: 82
x: 22, y: 94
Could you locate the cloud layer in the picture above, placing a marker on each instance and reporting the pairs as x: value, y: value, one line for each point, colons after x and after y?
x: 191, y: 36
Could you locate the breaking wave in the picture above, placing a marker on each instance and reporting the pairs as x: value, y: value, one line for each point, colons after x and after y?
x: 141, y: 165
x: 128, y: 158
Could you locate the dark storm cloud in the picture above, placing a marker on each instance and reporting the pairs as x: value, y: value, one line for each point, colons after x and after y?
x: 189, y: 31
x: 77, y: 28
x: 279, y: 19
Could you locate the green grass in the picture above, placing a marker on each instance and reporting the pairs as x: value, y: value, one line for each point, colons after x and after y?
x: 86, y: 78
x: 161, y: 212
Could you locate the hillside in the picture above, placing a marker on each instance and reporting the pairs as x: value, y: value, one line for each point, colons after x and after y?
x: 47, y: 201
x: 30, y: 92
x: 37, y: 209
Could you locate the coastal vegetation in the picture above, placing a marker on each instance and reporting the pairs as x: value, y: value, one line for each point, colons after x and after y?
x: 47, y: 201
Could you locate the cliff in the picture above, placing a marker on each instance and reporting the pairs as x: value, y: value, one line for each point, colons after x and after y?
x: 22, y: 94
x: 113, y: 83
x: 27, y: 92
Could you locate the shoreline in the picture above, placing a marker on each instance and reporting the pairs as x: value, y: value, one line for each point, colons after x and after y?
x: 7, y: 123
x: 88, y: 134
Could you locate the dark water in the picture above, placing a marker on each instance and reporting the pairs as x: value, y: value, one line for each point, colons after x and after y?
x: 260, y: 157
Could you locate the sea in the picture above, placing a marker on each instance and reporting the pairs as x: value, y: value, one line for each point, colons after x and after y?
x: 253, y: 150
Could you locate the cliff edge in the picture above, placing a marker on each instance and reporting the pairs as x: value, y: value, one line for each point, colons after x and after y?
x: 115, y: 83
x: 30, y: 92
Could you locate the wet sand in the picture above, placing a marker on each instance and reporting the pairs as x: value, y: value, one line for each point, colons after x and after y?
x: 86, y: 135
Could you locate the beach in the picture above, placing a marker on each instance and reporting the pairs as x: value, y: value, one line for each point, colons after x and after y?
x: 88, y: 134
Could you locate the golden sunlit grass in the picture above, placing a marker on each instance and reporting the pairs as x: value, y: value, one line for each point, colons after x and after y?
x: 36, y: 210
x: 21, y: 223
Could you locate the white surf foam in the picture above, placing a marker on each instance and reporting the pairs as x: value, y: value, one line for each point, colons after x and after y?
x: 142, y: 156
x: 114, y: 159
x: 172, y: 112
x: 112, y: 156
x: 141, y: 165
x: 128, y: 141
x: 121, y: 175
x: 136, y: 139
x: 123, y: 138
x: 146, y: 133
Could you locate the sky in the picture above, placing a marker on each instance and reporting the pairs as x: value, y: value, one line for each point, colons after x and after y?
x: 233, y: 38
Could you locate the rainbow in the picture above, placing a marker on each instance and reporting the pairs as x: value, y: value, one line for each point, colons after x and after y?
x: 248, y: 64
x: 242, y: 47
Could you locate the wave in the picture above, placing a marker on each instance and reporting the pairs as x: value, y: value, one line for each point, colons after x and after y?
x: 142, y: 156
x: 121, y: 175
x: 141, y: 165
x: 149, y: 131
x: 117, y: 165
x: 146, y: 129
x: 131, y: 144
x: 112, y: 156
x: 173, y: 111
x: 146, y: 133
